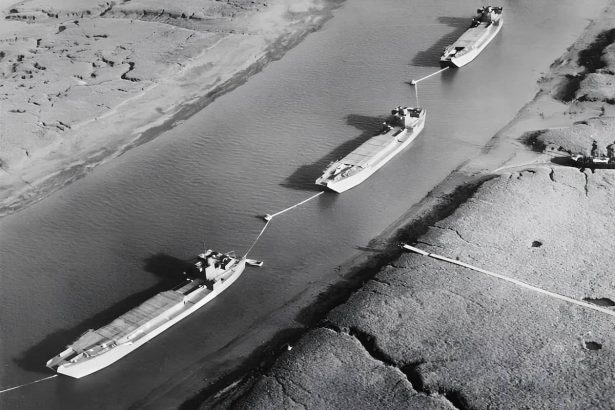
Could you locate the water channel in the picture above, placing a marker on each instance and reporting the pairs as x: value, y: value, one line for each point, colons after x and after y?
x: 104, y: 244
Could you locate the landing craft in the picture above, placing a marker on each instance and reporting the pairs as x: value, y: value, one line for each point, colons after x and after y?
x: 97, y: 349
x: 485, y: 26
x: 396, y: 134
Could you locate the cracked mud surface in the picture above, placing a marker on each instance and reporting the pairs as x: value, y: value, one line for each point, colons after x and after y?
x: 70, y: 62
x: 81, y: 78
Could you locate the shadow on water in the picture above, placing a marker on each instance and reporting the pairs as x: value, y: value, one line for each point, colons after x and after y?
x: 431, y: 56
x: 303, y: 178
x: 448, y: 76
x: 167, y: 269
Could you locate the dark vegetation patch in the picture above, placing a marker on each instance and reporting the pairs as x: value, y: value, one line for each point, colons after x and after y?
x: 126, y: 77
x: 568, y: 90
x: 591, y: 57
x: 536, y: 244
x: 531, y: 140
x: 591, y: 60
x: 593, y: 346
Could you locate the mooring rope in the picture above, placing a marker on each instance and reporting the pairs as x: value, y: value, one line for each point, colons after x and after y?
x: 511, y: 280
x: 269, y: 217
x: 415, y: 82
x: 257, y: 238
x: 27, y: 384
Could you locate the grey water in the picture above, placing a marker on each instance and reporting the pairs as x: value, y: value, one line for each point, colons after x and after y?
x: 104, y: 244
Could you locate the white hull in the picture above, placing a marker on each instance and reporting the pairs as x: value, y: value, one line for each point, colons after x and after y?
x: 192, y: 303
x: 472, y: 54
x: 345, y: 184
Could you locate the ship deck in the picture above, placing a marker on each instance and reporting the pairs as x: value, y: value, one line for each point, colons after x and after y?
x: 370, y: 148
x: 130, y: 321
x: 472, y: 36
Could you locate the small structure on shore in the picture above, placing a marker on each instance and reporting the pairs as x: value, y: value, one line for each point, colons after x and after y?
x: 596, y: 159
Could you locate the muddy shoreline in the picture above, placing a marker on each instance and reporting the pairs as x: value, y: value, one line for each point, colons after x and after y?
x: 381, y: 252
x: 350, y: 315
x: 22, y: 190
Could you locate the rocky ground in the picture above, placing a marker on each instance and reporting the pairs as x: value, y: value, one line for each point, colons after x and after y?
x: 81, y: 81
x: 423, y: 333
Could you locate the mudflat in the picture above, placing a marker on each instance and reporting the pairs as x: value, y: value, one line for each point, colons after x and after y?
x: 84, y: 81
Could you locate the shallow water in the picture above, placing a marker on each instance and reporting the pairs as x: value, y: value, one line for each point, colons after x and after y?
x: 104, y: 244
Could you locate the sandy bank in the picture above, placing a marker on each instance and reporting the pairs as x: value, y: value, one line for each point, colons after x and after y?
x: 425, y: 334
x: 82, y: 82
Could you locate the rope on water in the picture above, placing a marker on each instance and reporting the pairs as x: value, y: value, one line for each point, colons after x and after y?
x: 257, y: 238
x: 415, y: 82
x: 511, y: 280
x: 27, y: 384
x: 269, y: 217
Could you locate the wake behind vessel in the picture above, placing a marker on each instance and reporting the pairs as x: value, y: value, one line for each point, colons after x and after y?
x: 397, y: 133
x: 99, y: 348
x: 485, y: 26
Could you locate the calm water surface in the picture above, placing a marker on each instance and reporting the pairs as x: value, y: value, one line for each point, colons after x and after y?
x: 106, y: 243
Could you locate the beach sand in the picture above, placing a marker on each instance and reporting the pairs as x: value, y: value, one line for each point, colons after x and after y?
x: 423, y: 333
x: 84, y: 81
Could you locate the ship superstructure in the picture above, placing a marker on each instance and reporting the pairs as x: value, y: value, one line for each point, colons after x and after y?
x: 485, y: 26
x: 397, y: 133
